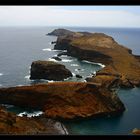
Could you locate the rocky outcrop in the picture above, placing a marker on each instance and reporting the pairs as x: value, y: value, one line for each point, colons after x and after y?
x: 49, y: 70
x: 12, y: 124
x: 65, y: 100
x: 61, y: 32
x: 136, y: 131
x: 101, y: 48
x: 56, y: 58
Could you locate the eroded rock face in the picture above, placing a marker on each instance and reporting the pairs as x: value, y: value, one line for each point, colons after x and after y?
x: 101, y: 48
x: 65, y: 100
x: 49, y: 70
x: 15, y: 125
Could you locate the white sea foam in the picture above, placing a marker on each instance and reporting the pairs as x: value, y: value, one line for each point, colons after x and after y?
x: 35, y: 113
x: 47, y: 49
x: 73, y: 74
x: 77, y: 70
x: 74, y: 65
x: 102, y: 65
x: 51, y: 59
x: 64, y: 56
x: 1, y: 74
x: 0, y: 85
x: 66, y: 60
x: 51, y: 81
x: 27, y: 77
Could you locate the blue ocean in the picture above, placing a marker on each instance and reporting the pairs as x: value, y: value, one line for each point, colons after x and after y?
x: 20, y: 46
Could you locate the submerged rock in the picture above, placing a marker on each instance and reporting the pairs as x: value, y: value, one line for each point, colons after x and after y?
x: 78, y: 76
x: 49, y: 70
x: 65, y: 100
x: 101, y: 48
x: 15, y: 125
x: 57, y: 58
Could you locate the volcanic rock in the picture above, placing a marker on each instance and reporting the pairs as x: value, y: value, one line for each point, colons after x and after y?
x: 49, y: 70
x: 65, y: 100
x: 101, y: 48
x: 12, y: 124
x: 78, y: 76
x: 57, y: 58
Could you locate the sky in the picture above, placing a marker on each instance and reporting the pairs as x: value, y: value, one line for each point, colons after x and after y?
x: 85, y: 16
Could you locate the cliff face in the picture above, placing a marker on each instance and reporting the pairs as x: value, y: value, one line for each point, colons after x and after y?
x: 15, y: 125
x: 49, y: 70
x: 101, y: 48
x: 65, y: 100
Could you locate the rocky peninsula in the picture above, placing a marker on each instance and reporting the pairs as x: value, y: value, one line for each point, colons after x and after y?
x: 65, y: 100
x: 101, y: 48
x: 72, y: 101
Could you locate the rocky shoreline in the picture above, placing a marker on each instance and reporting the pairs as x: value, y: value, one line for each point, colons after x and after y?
x: 67, y: 101
x: 11, y: 124
x: 101, y: 48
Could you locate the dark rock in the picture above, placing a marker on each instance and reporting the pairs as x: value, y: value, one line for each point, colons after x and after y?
x: 65, y: 100
x: 57, y: 58
x: 78, y: 76
x: 62, y: 53
x: 53, y: 42
x: 49, y: 70
x: 61, y: 32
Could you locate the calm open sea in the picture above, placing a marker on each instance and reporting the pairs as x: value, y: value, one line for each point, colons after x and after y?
x: 19, y: 46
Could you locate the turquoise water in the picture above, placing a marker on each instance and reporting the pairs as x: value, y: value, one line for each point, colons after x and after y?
x: 119, y: 125
x: 22, y: 45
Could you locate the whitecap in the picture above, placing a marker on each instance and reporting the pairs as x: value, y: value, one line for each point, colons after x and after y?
x: 51, y: 81
x: 63, y: 56
x: 1, y: 74
x: 66, y: 60
x: 47, y: 49
x: 27, y: 77
x: 100, y: 64
x: 73, y: 74
x: 67, y: 78
x: 51, y: 59
x: 35, y: 113
x: 74, y: 65
x: 94, y: 72
x: 0, y: 85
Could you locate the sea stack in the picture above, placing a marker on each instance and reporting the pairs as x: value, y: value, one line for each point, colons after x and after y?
x: 49, y: 70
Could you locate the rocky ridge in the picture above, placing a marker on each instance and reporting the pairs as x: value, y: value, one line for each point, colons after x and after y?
x: 65, y: 100
x: 101, y: 48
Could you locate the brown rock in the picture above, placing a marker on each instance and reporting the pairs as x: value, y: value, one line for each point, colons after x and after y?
x: 136, y: 131
x: 49, y: 70
x: 101, y: 48
x: 65, y: 100
x: 15, y: 125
